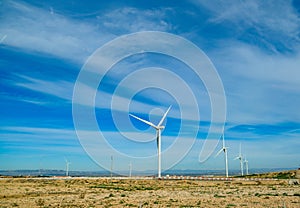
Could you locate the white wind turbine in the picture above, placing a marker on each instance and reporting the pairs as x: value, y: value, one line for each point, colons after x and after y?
x: 240, y: 157
x: 246, y: 166
x: 158, y: 129
x: 67, y: 167
x: 130, y: 169
x: 224, y: 149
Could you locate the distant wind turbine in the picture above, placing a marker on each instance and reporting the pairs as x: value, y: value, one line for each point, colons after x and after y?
x: 67, y: 167
x: 130, y: 169
x: 240, y: 157
x: 111, y: 165
x: 224, y: 149
x: 246, y: 165
x: 158, y: 129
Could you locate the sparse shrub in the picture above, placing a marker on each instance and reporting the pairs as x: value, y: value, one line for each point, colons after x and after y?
x: 284, y: 194
x: 156, y: 202
x: 111, y: 195
x: 123, y: 195
x: 40, y: 202
x: 257, y: 194
x: 173, y: 200
x: 230, y: 205
x: 14, y: 204
x: 81, y: 195
x: 219, y: 196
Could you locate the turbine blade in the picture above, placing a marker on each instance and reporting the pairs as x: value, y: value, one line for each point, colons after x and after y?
x: 144, y: 121
x: 163, y: 118
x: 223, y: 140
x: 219, y: 152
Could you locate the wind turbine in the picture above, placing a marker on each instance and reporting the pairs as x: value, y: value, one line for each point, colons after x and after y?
x: 130, y: 169
x: 224, y: 149
x: 158, y: 129
x: 111, y: 165
x: 246, y: 165
x: 67, y: 167
x: 240, y: 157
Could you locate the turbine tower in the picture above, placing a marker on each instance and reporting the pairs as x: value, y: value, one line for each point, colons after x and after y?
x: 158, y: 129
x: 246, y: 165
x: 240, y: 157
x: 67, y: 167
x: 111, y: 165
x: 224, y: 149
x: 130, y: 169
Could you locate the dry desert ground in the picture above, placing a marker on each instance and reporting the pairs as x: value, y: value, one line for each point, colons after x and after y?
x: 100, y: 192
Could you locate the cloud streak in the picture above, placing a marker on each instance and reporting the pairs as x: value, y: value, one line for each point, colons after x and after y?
x: 276, y: 25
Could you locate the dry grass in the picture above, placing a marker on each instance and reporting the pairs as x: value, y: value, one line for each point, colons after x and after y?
x: 146, y: 193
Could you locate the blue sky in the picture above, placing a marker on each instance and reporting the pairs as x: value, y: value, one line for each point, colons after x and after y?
x: 254, y: 46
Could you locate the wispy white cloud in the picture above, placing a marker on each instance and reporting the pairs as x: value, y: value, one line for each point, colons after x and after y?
x: 258, y: 83
x: 267, y: 21
x: 59, y: 88
x: 36, y: 29
x: 31, y: 28
x: 129, y: 19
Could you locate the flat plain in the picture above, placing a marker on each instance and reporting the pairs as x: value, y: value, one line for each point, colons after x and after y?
x: 106, y: 192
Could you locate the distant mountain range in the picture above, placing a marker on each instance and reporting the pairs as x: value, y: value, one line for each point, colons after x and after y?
x: 48, y: 173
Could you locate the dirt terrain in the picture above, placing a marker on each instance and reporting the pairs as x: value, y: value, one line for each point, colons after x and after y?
x: 99, y: 192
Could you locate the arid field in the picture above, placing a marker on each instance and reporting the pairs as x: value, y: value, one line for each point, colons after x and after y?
x: 99, y: 192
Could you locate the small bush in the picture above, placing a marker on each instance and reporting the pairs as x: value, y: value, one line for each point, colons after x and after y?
x: 219, y: 196
x: 40, y: 202
x: 81, y: 195
x: 230, y: 205
x: 257, y: 194
x: 14, y: 204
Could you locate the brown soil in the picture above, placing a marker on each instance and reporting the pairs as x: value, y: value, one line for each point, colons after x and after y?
x: 25, y: 192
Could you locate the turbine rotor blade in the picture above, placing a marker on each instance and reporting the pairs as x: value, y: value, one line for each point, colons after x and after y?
x: 144, y: 121
x: 219, y: 152
x: 223, y: 140
x: 163, y: 118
